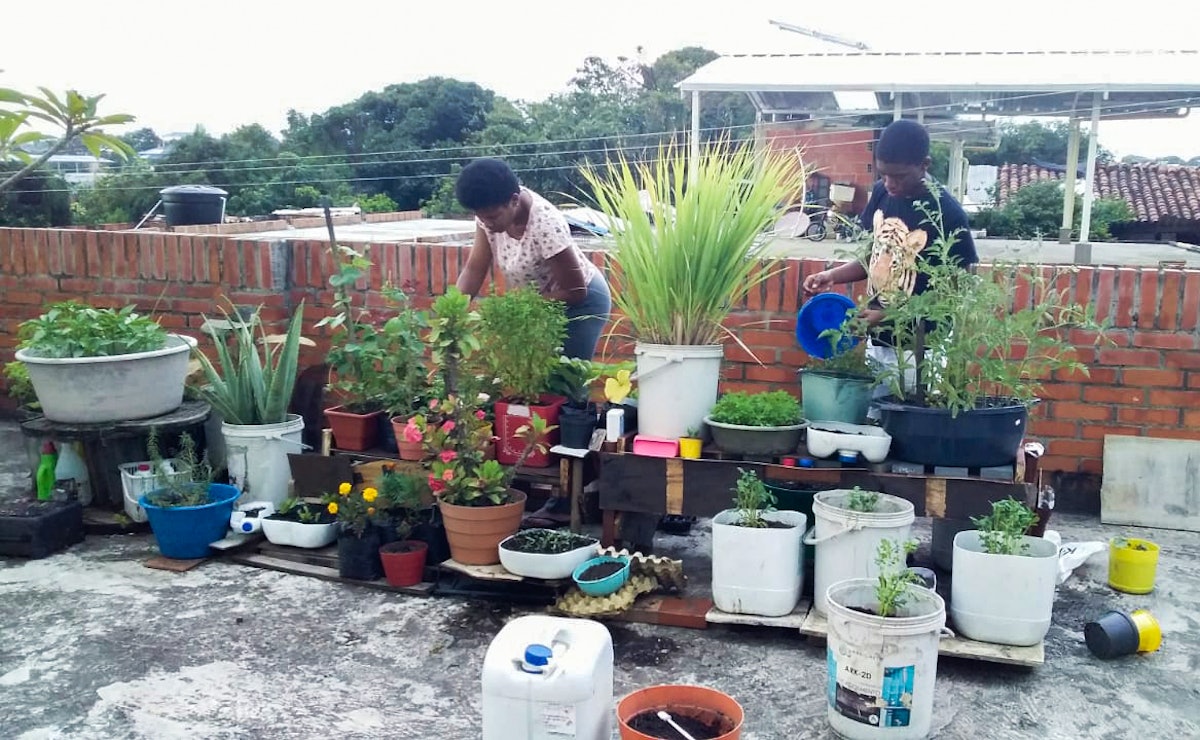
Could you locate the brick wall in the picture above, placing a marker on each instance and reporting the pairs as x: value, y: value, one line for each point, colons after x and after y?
x: 842, y: 156
x: 1146, y: 384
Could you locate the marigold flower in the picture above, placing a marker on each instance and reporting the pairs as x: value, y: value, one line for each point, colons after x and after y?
x: 448, y: 455
x: 344, y: 489
x: 369, y: 494
x: 332, y: 508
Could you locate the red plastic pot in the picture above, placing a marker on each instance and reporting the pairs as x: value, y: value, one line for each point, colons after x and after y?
x: 510, y: 417
x: 404, y: 562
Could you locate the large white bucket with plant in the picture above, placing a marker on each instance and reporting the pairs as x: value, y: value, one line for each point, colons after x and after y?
x: 257, y: 457
x: 757, y: 570
x: 677, y: 386
x: 882, y: 669
x: 848, y: 527
x: 1003, y: 598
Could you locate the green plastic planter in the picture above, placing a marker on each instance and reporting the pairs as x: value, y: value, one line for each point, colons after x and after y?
x: 829, y: 396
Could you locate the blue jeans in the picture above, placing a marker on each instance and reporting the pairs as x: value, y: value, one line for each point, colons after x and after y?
x: 586, y: 320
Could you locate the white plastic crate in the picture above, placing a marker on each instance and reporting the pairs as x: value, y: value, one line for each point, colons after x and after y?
x: 135, y: 486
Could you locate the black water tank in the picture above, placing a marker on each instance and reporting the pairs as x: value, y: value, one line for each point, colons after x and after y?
x: 188, y: 205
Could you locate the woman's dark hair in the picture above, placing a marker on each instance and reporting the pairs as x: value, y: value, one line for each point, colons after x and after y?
x: 903, y: 142
x: 486, y: 183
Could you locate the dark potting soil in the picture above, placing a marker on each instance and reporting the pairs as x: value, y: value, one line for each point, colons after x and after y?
x: 323, y: 516
x: 773, y: 525
x: 600, y: 571
x: 546, y: 542
x: 863, y: 610
x: 648, y: 723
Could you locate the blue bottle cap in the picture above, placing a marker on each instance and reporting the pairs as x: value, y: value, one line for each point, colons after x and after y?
x: 806, y: 462
x: 538, y: 655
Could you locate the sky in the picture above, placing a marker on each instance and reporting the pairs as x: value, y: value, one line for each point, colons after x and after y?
x: 221, y: 63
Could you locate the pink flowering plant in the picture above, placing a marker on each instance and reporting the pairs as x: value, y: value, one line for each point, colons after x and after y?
x: 455, y: 430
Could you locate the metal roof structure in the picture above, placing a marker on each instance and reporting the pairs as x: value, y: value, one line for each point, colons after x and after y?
x: 1134, y: 84
x: 942, y: 86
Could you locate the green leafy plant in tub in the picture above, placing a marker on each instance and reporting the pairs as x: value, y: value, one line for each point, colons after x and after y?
x: 752, y: 499
x: 770, y: 409
x: 520, y: 335
x: 1002, y: 532
x: 895, y: 579
x: 547, y: 541
x: 861, y: 500
x: 73, y: 329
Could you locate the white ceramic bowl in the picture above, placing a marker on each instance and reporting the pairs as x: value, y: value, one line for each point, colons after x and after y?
x: 543, y: 565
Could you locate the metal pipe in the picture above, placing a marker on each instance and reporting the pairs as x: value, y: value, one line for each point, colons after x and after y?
x: 1083, y: 250
x: 1068, y: 222
x: 695, y: 152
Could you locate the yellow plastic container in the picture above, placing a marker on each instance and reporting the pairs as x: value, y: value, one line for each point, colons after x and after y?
x: 1132, y: 563
x: 1149, y: 631
x: 690, y: 448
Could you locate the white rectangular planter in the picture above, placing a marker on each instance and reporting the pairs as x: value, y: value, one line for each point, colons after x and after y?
x: 757, y: 570
x: 299, y: 534
x: 1005, y: 599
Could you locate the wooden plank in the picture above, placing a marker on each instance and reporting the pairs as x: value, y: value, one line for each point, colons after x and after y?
x: 326, y: 556
x: 326, y: 574
x: 235, y: 540
x: 158, y: 562
x: 816, y: 625
x: 674, y: 486
x: 315, y: 476
x: 794, y: 620
x: 483, y: 572
x: 935, y: 497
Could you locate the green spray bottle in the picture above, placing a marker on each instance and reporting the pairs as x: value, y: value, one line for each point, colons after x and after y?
x: 45, y: 472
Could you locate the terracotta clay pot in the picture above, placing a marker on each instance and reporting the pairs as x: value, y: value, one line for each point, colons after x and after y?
x: 414, y: 451
x: 356, y: 432
x: 475, y: 532
x: 404, y: 562
x: 680, y: 700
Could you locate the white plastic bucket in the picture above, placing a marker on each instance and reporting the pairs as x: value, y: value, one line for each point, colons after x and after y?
x: 257, y: 457
x: 1006, y: 599
x: 548, y: 678
x: 677, y: 387
x: 847, y: 540
x: 757, y: 570
x: 882, y: 670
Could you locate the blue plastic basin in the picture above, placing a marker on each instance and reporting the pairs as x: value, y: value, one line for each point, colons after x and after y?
x: 607, y: 585
x: 184, y: 532
x: 823, y: 312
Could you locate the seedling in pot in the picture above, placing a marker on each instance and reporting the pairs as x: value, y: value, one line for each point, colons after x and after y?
x: 864, y: 501
x: 895, y: 579
x: 752, y: 500
x: 189, y: 487
x: 1002, y: 532
x: 1123, y: 544
x: 547, y: 541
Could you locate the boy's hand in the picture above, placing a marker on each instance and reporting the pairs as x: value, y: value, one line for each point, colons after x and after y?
x: 872, y: 316
x: 821, y: 282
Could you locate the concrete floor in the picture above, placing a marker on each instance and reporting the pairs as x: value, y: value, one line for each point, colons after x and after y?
x: 95, y: 645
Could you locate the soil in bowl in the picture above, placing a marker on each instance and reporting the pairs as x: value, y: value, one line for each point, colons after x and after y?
x: 600, y: 571
x: 546, y: 542
x: 649, y: 723
x: 322, y: 515
x: 771, y: 525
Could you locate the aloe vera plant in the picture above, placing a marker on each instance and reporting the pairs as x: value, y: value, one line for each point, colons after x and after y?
x: 255, y: 380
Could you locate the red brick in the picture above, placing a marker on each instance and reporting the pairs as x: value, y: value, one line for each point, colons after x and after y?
x: 1065, y: 410
x: 1106, y: 279
x: 1063, y: 463
x: 1083, y: 286
x: 735, y: 353
x: 1126, y: 287
x: 1096, y: 431
x: 1075, y: 447
x: 1190, y: 313
x: 1190, y: 399
x: 732, y: 371
x: 1113, y: 394
x: 1147, y: 314
x: 1174, y: 433
x: 1088, y: 375
x: 1161, y: 340
x: 746, y: 387
x: 780, y: 339
x: 1061, y: 391
x: 1092, y: 465
x: 770, y: 374
x: 1148, y: 416
x: 24, y: 296
x: 1142, y: 377
x: 1047, y: 428
x: 794, y: 358
x: 1191, y: 418
x: 774, y: 291
x: 1172, y: 297
x: 1140, y: 357
x: 437, y: 269
x: 791, y: 287
x: 1183, y: 360
x: 1193, y: 380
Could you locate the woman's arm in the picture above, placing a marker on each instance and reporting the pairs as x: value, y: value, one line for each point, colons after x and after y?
x: 470, y: 280
x: 568, y: 276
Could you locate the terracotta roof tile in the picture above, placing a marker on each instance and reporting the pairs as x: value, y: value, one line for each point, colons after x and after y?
x: 1155, y: 192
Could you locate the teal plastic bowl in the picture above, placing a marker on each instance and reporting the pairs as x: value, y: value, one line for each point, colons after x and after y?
x: 607, y: 585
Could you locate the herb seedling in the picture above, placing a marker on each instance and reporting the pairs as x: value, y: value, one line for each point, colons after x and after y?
x: 752, y: 500
x: 1002, y: 531
x: 770, y: 409
x: 189, y: 486
x: 864, y: 501
x: 892, y: 588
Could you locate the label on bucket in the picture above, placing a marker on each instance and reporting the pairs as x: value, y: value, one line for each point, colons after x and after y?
x: 559, y: 719
x: 864, y: 691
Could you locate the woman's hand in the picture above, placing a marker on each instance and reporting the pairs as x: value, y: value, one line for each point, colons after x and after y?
x: 821, y: 282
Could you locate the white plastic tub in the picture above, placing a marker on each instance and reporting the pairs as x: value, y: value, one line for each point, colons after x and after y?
x: 1005, y: 599
x: 677, y: 387
x: 827, y: 438
x: 757, y: 570
x: 299, y: 534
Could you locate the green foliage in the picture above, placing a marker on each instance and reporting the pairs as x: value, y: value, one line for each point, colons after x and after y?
x: 1002, y: 532
x: 257, y: 376
x: 302, y: 511
x: 752, y: 499
x: 142, y: 139
x: 548, y: 541
x: 17, y: 383
x: 443, y: 203
x: 401, y: 495
x: 194, y: 474
x: 521, y: 333
x: 43, y: 200
x: 1025, y: 142
x: 572, y: 378
x: 681, y: 268
x: 377, y: 203
x: 402, y: 374
x: 982, y: 349
x: 357, y: 351
x: 72, y: 329
x: 864, y: 501
x: 1036, y: 211
x: 124, y: 197
x: 850, y: 361
x: 768, y: 409
x: 895, y: 580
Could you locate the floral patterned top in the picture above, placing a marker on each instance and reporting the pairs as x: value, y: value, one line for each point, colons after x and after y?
x: 523, y: 260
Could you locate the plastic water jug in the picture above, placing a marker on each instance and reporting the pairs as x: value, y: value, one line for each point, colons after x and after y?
x: 548, y: 678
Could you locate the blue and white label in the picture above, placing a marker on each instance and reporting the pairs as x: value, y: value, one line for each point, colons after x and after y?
x: 862, y: 690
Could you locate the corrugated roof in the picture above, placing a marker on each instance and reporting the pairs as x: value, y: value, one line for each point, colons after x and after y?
x: 1138, y: 83
x: 1155, y: 192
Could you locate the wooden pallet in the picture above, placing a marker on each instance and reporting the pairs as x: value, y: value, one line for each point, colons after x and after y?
x: 794, y: 620
x: 322, y: 563
x: 815, y: 625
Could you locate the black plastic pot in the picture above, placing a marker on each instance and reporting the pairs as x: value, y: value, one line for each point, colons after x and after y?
x: 358, y: 557
x: 576, y: 425
x: 387, y: 433
x: 1111, y: 636
x: 433, y: 534
x: 187, y: 205
x: 979, y: 438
